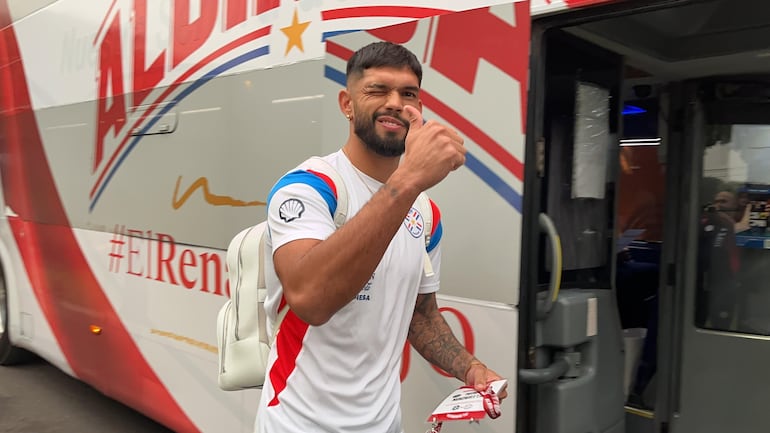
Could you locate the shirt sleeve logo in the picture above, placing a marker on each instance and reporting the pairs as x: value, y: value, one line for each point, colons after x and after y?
x: 414, y: 222
x: 291, y: 209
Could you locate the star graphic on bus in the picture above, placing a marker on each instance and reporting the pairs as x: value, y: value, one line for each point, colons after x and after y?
x: 294, y: 33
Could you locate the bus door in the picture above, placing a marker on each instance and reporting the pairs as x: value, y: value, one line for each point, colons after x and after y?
x: 719, y: 270
x: 574, y: 363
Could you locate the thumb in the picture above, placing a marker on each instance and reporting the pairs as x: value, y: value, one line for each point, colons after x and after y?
x: 414, y: 117
x: 481, y: 384
x: 479, y: 379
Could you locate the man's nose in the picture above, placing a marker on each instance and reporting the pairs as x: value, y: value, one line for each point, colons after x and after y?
x: 394, y: 101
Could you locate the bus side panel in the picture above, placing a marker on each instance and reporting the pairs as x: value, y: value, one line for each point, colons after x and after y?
x: 146, y: 242
x: 130, y: 240
x: 200, y: 184
x: 172, y: 326
x: 23, y: 308
x: 61, y: 278
x: 27, y: 325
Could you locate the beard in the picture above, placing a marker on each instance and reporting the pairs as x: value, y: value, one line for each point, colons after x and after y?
x: 390, y: 145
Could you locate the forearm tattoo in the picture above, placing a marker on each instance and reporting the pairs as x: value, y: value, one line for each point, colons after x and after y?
x: 431, y: 336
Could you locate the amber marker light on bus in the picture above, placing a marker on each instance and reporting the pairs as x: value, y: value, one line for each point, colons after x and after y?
x: 96, y: 330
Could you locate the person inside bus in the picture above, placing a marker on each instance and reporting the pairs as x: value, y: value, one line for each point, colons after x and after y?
x: 719, y: 261
x: 638, y: 280
x: 336, y: 362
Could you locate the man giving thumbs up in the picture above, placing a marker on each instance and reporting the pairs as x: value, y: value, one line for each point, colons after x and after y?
x: 355, y: 294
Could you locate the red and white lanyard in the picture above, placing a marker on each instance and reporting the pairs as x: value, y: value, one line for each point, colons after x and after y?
x: 491, y: 407
x: 435, y: 427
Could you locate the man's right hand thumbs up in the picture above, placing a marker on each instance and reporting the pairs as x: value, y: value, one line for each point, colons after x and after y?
x: 432, y: 149
x: 414, y: 117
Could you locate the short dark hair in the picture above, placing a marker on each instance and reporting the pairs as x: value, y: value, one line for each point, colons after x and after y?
x: 383, y: 54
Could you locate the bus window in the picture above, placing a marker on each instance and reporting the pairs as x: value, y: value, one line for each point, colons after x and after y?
x: 733, y: 241
x: 581, y: 126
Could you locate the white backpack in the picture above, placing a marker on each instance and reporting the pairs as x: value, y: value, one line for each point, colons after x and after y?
x: 243, y: 344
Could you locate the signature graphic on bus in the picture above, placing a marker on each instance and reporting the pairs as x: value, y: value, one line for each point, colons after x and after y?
x: 212, y: 199
x: 184, y: 339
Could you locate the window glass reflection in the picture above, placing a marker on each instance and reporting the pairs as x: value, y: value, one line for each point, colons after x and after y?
x: 734, y: 242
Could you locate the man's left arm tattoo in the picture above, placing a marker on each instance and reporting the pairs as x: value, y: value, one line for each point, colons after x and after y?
x: 431, y: 336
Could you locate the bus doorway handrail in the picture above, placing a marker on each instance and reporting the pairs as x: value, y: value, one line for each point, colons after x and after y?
x: 554, y: 285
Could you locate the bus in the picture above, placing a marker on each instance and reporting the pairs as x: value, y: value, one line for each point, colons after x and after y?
x: 603, y: 244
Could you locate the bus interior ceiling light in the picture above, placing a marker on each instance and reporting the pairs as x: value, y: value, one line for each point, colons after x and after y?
x: 653, y: 141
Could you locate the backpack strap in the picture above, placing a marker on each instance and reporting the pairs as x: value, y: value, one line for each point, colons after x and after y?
x: 261, y: 277
x: 279, y: 318
x: 320, y: 165
x: 245, y: 323
x: 426, y: 210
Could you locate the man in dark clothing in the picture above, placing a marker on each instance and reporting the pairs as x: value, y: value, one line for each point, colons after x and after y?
x: 718, y: 263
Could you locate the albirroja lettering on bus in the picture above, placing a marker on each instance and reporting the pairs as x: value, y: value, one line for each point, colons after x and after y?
x: 156, y: 256
x: 190, y: 31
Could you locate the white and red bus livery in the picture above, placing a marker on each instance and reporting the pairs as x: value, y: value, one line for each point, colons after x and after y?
x: 138, y: 137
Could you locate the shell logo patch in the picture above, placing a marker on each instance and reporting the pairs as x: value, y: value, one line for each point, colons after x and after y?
x: 414, y: 222
x: 291, y: 209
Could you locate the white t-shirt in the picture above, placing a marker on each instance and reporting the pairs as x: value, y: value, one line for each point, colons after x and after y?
x: 342, y: 376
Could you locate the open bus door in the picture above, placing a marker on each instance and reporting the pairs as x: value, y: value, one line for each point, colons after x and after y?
x: 718, y: 257
x: 575, y: 351
x: 703, y: 65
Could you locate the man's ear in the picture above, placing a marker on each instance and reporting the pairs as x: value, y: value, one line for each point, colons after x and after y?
x: 346, y: 103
